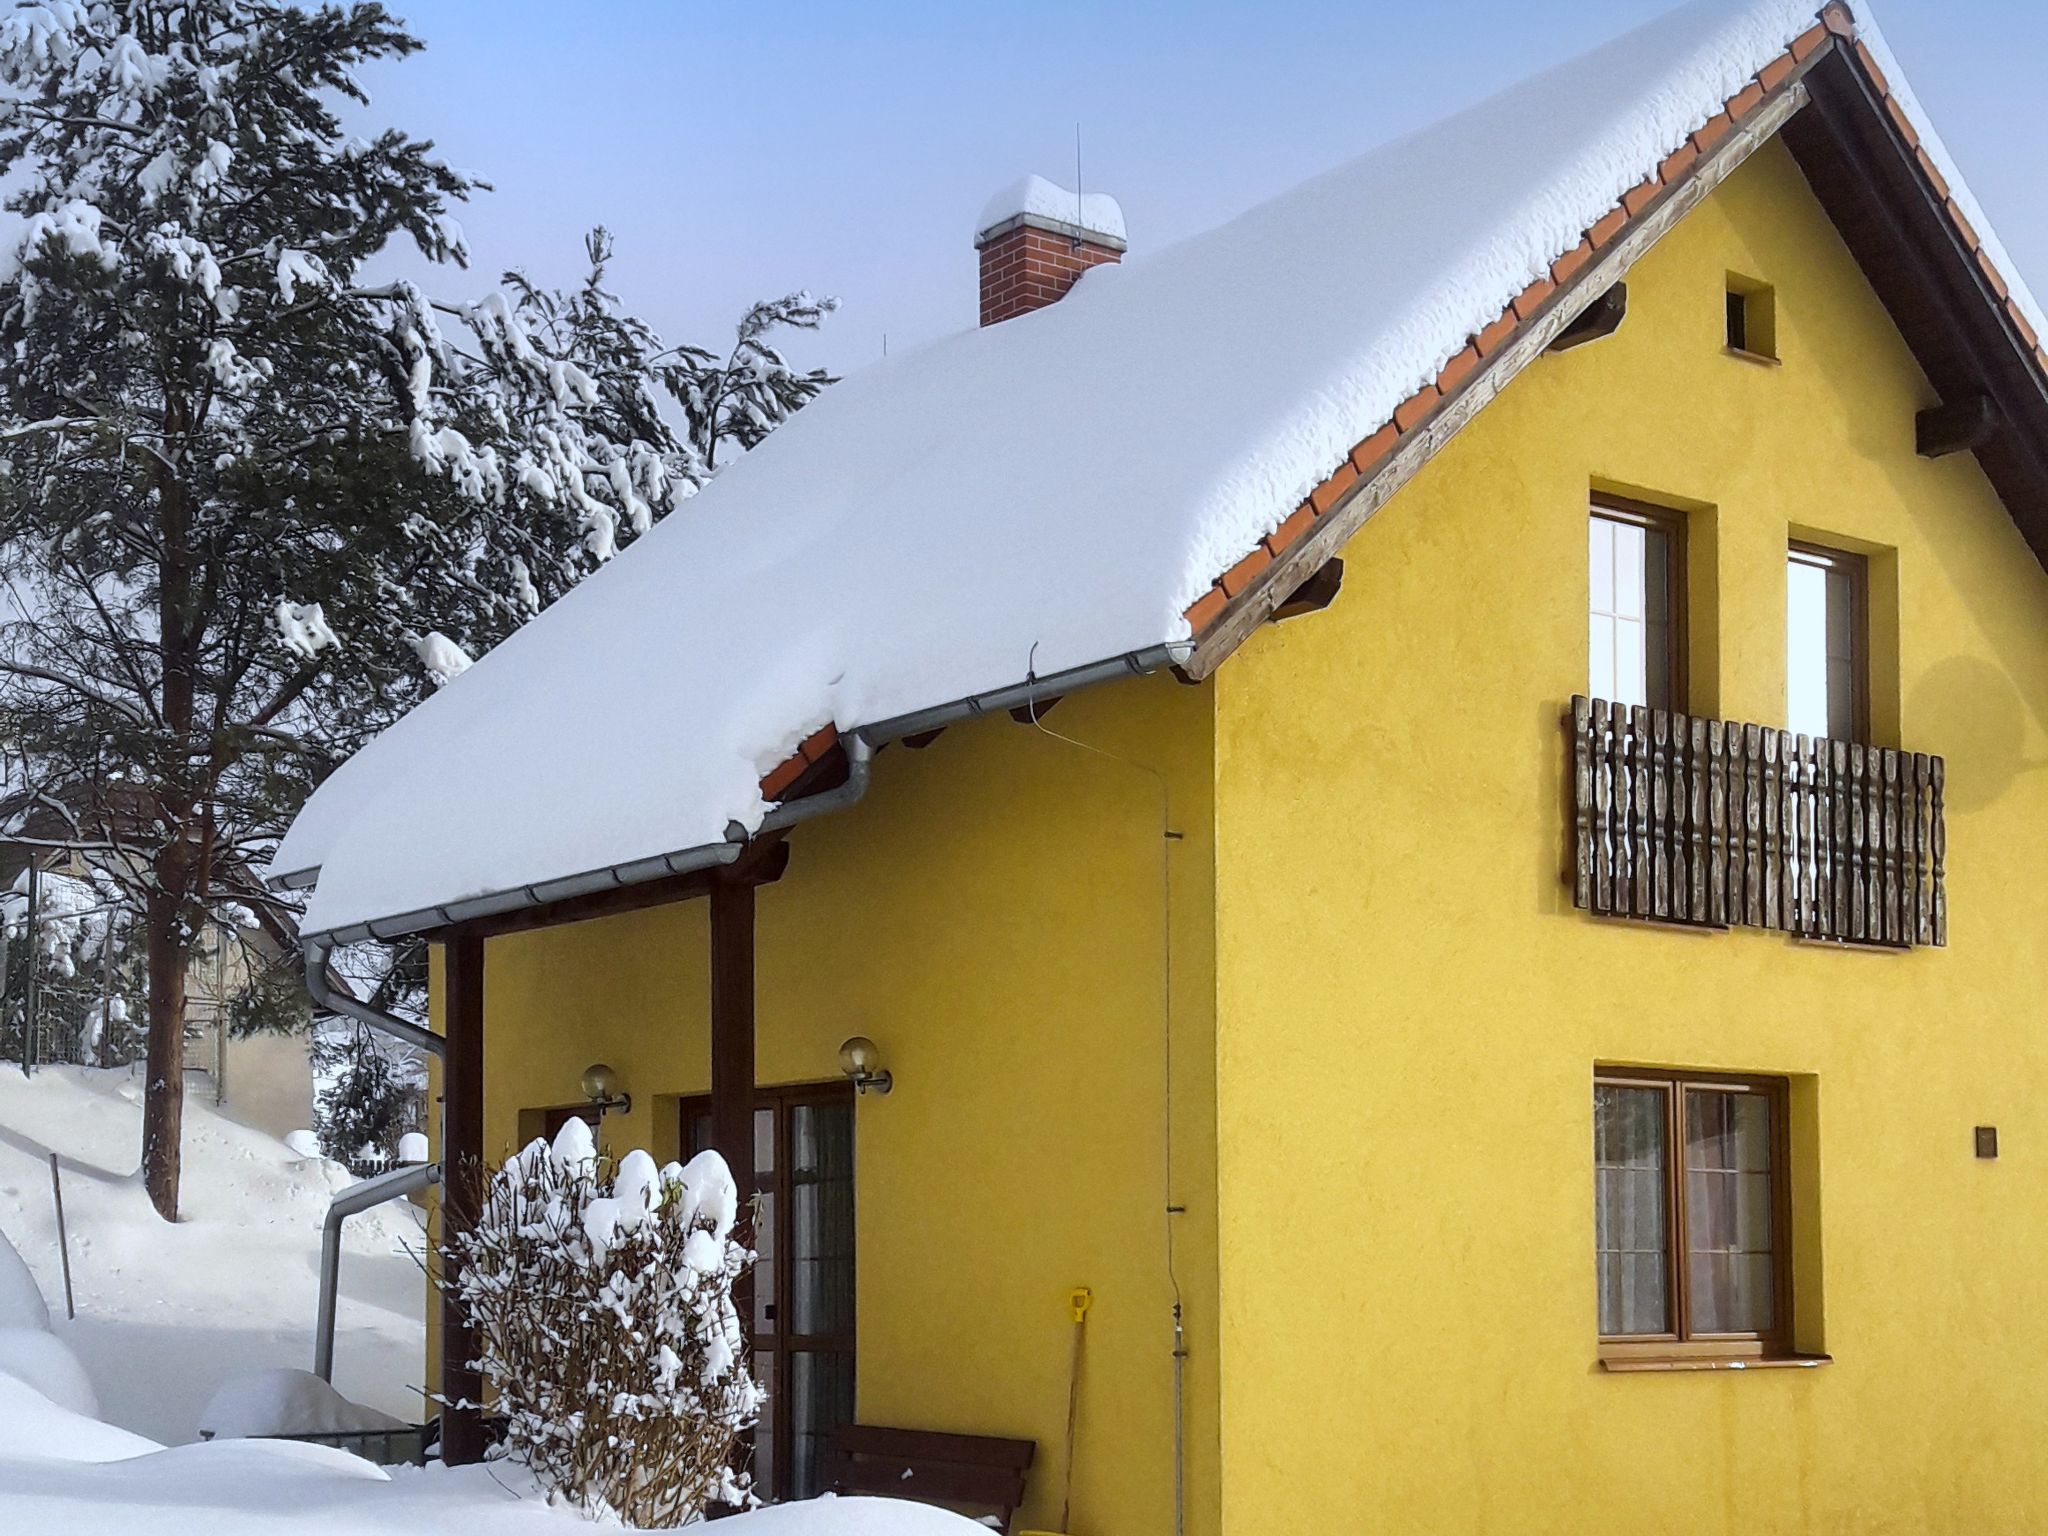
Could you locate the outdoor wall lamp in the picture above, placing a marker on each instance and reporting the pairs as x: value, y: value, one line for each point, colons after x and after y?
x: 860, y: 1061
x: 601, y: 1087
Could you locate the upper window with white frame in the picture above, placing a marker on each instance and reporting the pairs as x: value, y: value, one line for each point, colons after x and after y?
x: 1636, y: 585
x: 1826, y: 652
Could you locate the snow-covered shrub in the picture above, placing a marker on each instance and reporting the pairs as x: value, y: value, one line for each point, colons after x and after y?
x: 601, y: 1296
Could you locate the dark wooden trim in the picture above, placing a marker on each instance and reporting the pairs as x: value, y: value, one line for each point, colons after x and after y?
x: 1955, y: 426
x: 761, y: 862
x: 1683, y: 1342
x: 1315, y: 594
x: 1677, y: 530
x: 462, y: 1151
x: 1600, y: 318
x: 732, y: 1027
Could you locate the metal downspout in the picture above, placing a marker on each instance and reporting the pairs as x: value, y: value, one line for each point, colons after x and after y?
x: 357, y: 1197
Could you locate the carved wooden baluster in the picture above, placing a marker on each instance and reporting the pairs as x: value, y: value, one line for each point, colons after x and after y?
x: 1753, y: 825
x: 1823, y: 909
x: 1802, y: 784
x: 1937, y: 774
x: 1892, y: 926
x: 1859, y: 846
x: 1660, y: 812
x: 1717, y: 823
x: 1909, y: 851
x: 1774, y: 851
x: 1838, y: 855
x: 1603, y: 896
x: 1923, y: 922
x: 1696, y: 775
x: 1624, y: 794
x: 1642, y: 861
x: 1582, y: 802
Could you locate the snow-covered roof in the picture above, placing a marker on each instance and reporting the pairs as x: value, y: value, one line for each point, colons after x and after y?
x: 1033, y: 197
x: 1042, y: 494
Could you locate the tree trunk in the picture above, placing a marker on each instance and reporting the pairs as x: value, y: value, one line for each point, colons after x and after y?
x: 163, y: 1097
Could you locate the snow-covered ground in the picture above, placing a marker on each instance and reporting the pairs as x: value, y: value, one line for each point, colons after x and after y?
x: 167, y: 1313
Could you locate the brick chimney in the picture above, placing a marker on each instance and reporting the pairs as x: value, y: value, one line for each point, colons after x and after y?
x: 1036, y: 239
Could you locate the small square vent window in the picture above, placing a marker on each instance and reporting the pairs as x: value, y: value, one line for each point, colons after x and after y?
x: 1752, y: 318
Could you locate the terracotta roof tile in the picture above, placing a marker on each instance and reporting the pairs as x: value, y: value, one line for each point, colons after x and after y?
x: 1296, y: 527
x: 1932, y: 172
x: 1370, y: 454
x: 1458, y: 369
x: 1711, y: 132
x: 1207, y: 609
x: 1607, y: 226
x: 1241, y: 575
x: 1836, y: 19
x: 1531, y: 298
x: 1566, y: 266
x: 1870, y: 67
x: 775, y: 784
x: 1495, y: 336
x: 1775, y: 73
x: 1902, y: 122
x: 1804, y: 44
x: 1408, y: 415
x: 1331, y: 491
x: 1745, y: 101
x: 819, y: 742
x: 2020, y: 322
x: 1641, y: 195
x: 1991, y: 274
x: 1677, y: 163
x: 1963, y: 225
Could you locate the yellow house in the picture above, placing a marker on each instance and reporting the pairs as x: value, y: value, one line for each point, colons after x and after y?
x: 1513, y: 973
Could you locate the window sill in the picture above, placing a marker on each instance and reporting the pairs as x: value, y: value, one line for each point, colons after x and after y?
x: 1761, y: 359
x: 1632, y: 1363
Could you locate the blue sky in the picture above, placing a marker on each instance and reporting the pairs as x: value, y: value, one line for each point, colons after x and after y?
x: 745, y: 149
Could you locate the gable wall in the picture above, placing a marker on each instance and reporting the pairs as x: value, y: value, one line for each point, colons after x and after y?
x: 1410, y: 1011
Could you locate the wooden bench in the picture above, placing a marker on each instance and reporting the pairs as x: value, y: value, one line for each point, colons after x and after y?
x: 974, y: 1475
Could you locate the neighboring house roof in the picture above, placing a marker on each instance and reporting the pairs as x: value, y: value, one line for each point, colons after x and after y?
x: 1134, y: 476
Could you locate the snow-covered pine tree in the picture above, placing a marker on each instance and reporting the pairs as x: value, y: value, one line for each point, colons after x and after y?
x: 252, y: 504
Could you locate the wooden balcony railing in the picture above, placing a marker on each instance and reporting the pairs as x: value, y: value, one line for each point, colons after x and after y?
x: 1685, y: 820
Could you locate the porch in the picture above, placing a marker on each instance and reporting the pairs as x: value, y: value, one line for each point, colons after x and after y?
x: 919, y: 1247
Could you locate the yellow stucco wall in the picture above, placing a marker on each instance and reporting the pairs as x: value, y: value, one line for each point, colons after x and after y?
x: 1411, y: 1012
x: 991, y: 914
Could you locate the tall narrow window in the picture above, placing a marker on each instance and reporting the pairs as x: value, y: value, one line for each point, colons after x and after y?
x: 1636, y: 585
x: 1826, y: 671
x: 1689, y: 1207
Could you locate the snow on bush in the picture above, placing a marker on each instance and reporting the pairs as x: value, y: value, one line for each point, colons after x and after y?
x: 601, y: 1294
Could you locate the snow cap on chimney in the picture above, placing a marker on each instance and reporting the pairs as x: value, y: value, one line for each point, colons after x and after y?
x: 1036, y: 239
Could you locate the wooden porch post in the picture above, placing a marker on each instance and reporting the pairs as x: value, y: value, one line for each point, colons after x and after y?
x: 462, y: 1149
x: 732, y: 1041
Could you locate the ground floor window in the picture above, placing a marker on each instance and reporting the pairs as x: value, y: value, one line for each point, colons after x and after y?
x: 1691, y: 1213
x: 803, y: 1281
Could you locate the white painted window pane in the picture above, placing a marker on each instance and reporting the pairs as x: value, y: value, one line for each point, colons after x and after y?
x: 1628, y: 570
x: 1628, y: 662
x: 1600, y: 563
x: 1806, y: 648
x: 1600, y: 652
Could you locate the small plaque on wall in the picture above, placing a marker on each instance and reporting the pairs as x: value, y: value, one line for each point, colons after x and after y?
x: 1987, y: 1141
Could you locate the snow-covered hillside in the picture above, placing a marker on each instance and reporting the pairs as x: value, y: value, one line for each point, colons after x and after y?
x: 166, y: 1313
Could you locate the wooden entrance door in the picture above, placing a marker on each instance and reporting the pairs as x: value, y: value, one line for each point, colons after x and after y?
x: 803, y: 1283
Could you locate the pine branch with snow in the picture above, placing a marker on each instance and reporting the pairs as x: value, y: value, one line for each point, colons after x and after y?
x: 601, y: 1297
x: 254, y: 505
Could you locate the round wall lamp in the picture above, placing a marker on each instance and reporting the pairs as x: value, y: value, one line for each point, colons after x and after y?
x: 601, y: 1087
x: 862, y: 1063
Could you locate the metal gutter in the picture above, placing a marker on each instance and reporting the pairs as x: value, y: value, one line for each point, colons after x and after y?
x: 316, y: 949
x: 357, y: 1197
x: 859, y: 743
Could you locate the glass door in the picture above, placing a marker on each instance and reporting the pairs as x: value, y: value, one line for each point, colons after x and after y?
x: 803, y: 1326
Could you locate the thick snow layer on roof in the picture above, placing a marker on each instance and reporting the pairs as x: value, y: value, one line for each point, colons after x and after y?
x: 1048, y: 492
x: 1048, y: 200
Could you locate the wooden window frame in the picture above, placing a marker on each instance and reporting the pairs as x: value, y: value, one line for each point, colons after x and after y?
x: 1678, y: 630
x: 1683, y: 1343
x: 1857, y: 568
